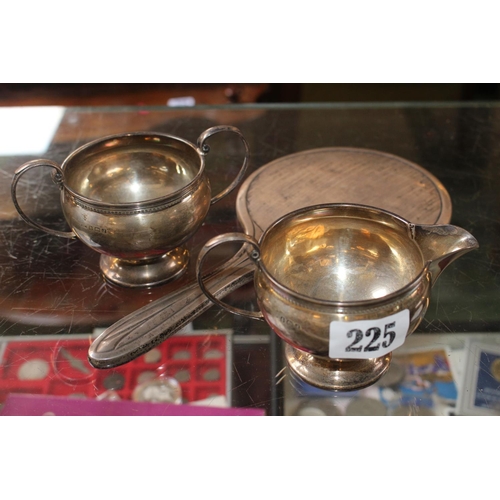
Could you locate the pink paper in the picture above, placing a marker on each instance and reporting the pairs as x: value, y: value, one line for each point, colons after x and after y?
x: 35, y: 405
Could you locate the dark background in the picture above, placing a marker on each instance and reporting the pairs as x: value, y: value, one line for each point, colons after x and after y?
x: 116, y: 94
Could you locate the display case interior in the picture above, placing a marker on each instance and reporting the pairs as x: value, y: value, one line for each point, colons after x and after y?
x: 440, y: 159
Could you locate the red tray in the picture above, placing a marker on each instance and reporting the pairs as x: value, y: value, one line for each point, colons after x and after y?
x: 59, y: 367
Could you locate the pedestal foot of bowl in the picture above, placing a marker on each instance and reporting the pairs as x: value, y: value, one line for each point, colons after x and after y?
x: 336, y: 374
x: 147, y: 272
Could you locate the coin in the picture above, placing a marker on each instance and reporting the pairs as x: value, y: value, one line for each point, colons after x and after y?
x: 145, y: 376
x: 183, y: 354
x: 109, y: 396
x: 213, y: 354
x: 183, y: 375
x: 70, y: 364
x: 393, y: 377
x: 163, y: 390
x: 363, y: 406
x: 115, y: 381
x: 153, y: 356
x: 211, y: 375
x: 33, y: 369
x: 317, y: 407
x: 413, y: 411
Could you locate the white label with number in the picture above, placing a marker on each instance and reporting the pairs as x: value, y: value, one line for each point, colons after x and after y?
x: 369, y: 338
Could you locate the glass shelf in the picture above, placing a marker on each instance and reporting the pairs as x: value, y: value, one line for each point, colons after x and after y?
x: 54, y: 301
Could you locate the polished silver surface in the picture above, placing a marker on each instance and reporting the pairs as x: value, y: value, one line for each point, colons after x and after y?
x: 52, y: 289
x: 145, y: 328
x: 341, y: 258
x: 341, y: 263
x: 318, y: 175
x: 335, y: 374
x: 136, y: 199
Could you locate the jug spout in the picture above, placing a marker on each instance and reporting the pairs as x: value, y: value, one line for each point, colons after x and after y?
x: 442, y: 244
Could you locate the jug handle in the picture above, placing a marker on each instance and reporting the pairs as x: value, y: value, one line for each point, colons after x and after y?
x: 205, y: 149
x: 254, y: 255
x: 441, y: 244
x: 57, y: 178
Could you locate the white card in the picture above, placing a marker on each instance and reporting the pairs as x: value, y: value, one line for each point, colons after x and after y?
x: 369, y: 338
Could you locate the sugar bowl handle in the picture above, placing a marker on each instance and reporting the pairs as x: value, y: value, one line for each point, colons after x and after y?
x: 205, y: 148
x: 253, y: 254
x: 57, y: 177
